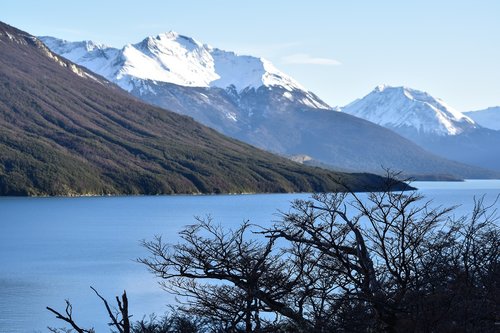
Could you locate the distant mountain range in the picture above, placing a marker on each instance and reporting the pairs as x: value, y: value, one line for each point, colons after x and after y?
x: 67, y: 131
x: 489, y: 118
x: 249, y: 99
x: 432, y: 124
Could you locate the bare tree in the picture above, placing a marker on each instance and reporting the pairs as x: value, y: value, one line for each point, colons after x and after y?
x: 345, y: 261
x: 382, y: 248
x: 119, y: 318
x: 253, y: 278
x: 460, y: 283
x: 68, y: 317
x: 372, y: 245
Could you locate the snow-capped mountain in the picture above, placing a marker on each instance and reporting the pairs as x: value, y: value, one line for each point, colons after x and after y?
x: 247, y: 98
x: 181, y: 60
x: 408, y: 109
x: 489, y: 118
x: 430, y: 123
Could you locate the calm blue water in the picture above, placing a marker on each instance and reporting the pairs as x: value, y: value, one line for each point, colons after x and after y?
x: 52, y: 249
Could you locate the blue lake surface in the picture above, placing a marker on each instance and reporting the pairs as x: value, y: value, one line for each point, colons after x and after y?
x: 52, y: 249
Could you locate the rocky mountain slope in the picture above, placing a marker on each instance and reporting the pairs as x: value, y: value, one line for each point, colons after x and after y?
x: 66, y: 131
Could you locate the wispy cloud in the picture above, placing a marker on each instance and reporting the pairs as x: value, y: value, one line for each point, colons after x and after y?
x: 261, y: 50
x: 306, y: 59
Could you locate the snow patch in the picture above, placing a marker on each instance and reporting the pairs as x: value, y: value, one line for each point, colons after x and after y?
x: 231, y: 116
x: 287, y: 95
x: 306, y: 101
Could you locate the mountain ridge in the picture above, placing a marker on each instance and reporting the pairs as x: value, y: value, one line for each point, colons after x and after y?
x: 67, y: 131
x: 284, y: 121
x: 174, y: 58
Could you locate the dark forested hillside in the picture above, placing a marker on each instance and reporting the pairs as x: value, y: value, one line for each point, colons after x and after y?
x: 65, y: 131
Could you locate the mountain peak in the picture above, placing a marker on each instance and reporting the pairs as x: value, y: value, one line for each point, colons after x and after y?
x: 405, y: 91
x: 381, y: 87
x: 169, y: 34
x: 174, y: 37
x: 404, y: 107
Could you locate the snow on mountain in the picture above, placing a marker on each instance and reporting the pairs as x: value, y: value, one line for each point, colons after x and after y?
x: 409, y: 109
x: 489, y: 118
x: 173, y: 58
x: 90, y: 55
x: 247, y: 98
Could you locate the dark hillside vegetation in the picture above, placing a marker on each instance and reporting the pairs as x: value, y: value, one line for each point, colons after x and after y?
x: 66, y: 131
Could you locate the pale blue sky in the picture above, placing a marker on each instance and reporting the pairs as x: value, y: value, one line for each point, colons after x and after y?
x: 338, y: 49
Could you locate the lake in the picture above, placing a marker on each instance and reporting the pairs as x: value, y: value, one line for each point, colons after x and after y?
x: 52, y: 249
